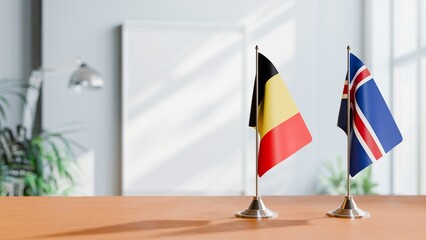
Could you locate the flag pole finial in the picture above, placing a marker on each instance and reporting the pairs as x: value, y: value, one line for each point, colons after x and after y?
x: 348, y: 48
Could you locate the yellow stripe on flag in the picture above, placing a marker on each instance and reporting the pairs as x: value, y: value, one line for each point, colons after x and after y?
x: 277, y: 105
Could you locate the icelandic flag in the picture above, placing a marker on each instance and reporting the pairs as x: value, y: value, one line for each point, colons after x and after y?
x: 373, y: 131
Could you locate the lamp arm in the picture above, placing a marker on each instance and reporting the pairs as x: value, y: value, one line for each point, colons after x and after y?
x: 61, y: 69
x: 33, y: 93
x: 31, y: 99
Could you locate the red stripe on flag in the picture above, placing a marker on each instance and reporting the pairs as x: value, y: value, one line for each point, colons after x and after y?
x: 281, y: 142
x: 363, y: 74
x: 345, y: 88
x: 365, y: 134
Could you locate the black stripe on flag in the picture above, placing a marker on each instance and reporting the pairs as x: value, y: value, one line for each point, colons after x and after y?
x: 266, y: 71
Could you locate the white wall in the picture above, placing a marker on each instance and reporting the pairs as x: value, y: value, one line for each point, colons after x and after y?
x: 15, y: 47
x: 378, y: 59
x: 398, y: 75
x: 306, y: 40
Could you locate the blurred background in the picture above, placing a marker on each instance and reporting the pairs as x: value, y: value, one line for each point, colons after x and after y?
x: 172, y: 116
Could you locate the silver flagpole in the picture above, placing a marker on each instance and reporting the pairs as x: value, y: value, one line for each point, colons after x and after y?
x: 257, y: 208
x: 257, y: 121
x: 348, y: 124
x: 348, y: 209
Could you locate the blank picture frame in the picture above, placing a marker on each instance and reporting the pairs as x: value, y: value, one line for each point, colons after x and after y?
x: 183, y: 112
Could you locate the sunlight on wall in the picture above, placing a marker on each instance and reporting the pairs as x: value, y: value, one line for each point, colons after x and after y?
x: 186, y: 113
x: 266, y: 13
x: 394, y: 41
x: 202, y: 54
x: 405, y: 33
x: 184, y: 117
x: 405, y: 155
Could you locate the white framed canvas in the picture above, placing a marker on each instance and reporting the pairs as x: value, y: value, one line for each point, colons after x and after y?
x: 183, y: 111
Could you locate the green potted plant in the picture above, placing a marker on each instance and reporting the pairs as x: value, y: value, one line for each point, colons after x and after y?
x: 40, y: 164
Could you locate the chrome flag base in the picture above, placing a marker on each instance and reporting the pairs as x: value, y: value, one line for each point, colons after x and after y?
x: 257, y: 209
x: 348, y: 209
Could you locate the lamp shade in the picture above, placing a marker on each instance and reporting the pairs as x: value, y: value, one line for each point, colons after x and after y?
x: 86, y: 77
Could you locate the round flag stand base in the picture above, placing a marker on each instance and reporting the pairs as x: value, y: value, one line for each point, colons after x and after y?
x: 348, y: 209
x: 257, y: 209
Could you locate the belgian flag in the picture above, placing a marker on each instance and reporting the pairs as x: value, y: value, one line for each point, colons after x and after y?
x: 281, y: 128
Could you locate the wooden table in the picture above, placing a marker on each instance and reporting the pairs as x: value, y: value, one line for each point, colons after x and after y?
x: 301, y: 217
